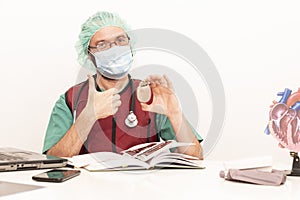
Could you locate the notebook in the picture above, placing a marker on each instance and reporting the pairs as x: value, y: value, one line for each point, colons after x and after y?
x: 13, y: 159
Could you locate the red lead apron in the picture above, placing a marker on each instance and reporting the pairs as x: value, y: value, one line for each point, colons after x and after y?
x: 111, y: 133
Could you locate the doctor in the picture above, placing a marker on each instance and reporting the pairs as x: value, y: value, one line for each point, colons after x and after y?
x: 104, y: 112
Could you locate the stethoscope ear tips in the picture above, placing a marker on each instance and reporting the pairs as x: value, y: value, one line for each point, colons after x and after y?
x: 131, y: 120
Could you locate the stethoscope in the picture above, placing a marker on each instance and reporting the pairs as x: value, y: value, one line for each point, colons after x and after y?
x: 131, y: 120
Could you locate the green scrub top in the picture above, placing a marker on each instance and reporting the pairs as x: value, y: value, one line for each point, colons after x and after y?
x: 61, y: 120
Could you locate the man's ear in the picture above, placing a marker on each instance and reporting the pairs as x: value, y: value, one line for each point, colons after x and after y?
x: 92, y: 58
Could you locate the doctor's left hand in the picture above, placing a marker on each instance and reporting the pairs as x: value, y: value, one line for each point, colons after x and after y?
x: 164, y: 98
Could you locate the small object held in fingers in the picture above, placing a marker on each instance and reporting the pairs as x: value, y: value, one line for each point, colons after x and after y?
x: 144, y: 92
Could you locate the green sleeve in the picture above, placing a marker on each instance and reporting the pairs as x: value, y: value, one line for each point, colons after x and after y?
x: 61, y: 120
x: 165, y: 128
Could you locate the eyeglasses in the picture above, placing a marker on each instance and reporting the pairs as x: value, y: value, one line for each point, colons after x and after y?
x: 104, y: 45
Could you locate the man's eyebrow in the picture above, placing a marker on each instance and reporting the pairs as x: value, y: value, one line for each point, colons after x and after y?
x: 98, y: 41
x: 121, y: 35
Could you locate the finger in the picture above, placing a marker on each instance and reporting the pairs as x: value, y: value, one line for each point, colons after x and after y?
x: 115, y: 110
x: 153, y: 78
x: 145, y: 107
x: 163, y: 82
x: 159, y: 90
x: 117, y: 103
x: 111, y: 91
x: 116, y: 100
x: 91, y: 84
x: 159, y: 80
x: 152, y: 84
x: 168, y: 81
x: 116, y: 97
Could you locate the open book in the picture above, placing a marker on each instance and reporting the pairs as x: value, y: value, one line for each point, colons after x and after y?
x: 143, y: 156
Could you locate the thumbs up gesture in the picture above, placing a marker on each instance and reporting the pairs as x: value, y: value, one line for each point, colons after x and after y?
x: 102, y: 104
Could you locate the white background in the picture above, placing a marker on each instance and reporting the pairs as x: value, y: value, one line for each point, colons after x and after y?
x: 254, y: 45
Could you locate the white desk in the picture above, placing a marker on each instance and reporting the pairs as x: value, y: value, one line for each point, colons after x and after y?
x: 152, y: 184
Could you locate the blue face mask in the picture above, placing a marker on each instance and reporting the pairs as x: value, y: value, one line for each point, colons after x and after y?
x: 115, y: 62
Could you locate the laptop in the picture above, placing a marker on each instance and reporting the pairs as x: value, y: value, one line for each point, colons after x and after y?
x: 14, y: 159
x: 8, y: 188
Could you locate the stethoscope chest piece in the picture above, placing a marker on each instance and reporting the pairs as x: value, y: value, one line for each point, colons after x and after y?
x: 131, y: 120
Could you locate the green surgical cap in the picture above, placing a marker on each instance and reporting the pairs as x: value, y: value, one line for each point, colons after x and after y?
x: 90, y: 27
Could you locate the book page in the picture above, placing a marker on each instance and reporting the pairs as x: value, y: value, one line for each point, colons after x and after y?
x: 126, y: 163
x: 147, y: 151
x: 92, y: 158
x: 176, y: 160
x: 140, y: 148
x: 100, y: 161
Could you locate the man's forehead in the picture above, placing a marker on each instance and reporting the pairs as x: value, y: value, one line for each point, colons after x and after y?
x: 108, y: 32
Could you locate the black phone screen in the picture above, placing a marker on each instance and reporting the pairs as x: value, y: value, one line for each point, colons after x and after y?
x: 56, y: 175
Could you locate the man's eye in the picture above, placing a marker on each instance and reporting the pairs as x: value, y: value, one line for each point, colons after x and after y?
x: 101, y: 44
x: 121, y: 39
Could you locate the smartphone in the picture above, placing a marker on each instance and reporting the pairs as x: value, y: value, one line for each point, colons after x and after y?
x: 56, y: 175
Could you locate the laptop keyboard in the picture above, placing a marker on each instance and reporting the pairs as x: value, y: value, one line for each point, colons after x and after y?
x: 4, y: 157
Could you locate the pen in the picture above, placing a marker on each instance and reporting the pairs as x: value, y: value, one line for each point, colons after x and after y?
x: 70, y: 166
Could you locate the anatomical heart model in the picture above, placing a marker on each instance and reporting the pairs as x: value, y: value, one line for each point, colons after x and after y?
x: 284, y: 124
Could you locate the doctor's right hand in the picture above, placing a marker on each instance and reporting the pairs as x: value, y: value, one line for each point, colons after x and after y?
x: 101, y: 104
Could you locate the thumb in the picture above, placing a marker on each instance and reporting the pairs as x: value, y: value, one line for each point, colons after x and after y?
x: 146, y: 107
x: 91, y: 84
x: 111, y: 91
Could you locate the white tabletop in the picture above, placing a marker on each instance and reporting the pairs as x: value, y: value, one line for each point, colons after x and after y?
x: 151, y: 184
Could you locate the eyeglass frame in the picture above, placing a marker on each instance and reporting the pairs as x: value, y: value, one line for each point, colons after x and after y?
x: 110, y: 43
